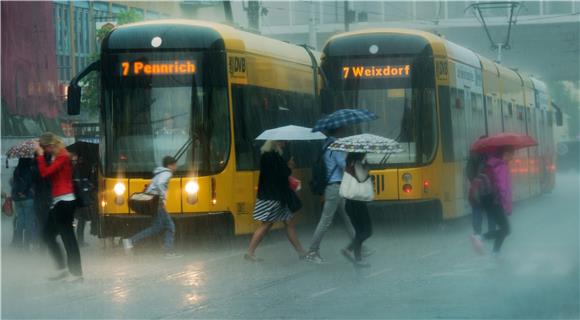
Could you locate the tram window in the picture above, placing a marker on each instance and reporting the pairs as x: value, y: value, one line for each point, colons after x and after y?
x: 257, y: 109
x: 446, y: 127
x: 459, y: 126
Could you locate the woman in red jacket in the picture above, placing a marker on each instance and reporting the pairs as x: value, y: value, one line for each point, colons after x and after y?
x: 61, y: 214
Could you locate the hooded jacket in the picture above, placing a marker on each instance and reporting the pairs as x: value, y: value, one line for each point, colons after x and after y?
x: 159, y: 185
x: 499, y: 175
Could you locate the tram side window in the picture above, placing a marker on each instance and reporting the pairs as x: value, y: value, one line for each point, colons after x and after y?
x: 459, y: 124
x: 477, y: 127
x: 446, y: 126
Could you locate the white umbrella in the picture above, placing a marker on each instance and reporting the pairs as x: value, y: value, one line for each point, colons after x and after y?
x: 366, y: 143
x: 291, y: 133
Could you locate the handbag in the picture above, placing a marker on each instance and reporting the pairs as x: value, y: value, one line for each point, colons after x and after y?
x: 294, y: 204
x: 8, y: 206
x: 144, y: 203
x: 294, y: 184
x: 352, y: 189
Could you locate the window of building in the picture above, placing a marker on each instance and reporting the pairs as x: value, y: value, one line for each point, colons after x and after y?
x: 398, y: 10
x: 279, y: 12
x: 557, y: 7
x: 530, y: 8
x: 371, y: 11
x: 456, y: 9
x: 429, y: 10
x: 332, y: 12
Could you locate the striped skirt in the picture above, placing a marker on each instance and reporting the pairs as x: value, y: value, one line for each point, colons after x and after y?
x: 271, y: 210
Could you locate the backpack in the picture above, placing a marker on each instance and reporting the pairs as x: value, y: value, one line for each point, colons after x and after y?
x: 320, y: 176
x: 480, y: 189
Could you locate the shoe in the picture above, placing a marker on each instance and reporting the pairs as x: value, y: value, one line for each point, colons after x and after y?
x: 314, y: 257
x: 348, y: 254
x: 366, y: 252
x: 59, y: 275
x: 361, y: 264
x: 127, y: 244
x: 173, y: 255
x: 73, y: 279
x: 477, y: 244
x: 251, y: 257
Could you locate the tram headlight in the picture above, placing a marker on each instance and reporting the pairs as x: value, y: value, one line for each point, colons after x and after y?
x: 191, y: 188
x: 119, y: 189
x: 407, y: 177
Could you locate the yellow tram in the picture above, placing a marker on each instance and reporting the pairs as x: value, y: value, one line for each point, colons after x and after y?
x: 436, y: 98
x: 203, y: 92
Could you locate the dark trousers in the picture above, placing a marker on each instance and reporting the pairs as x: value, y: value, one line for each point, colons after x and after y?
x: 495, y: 213
x: 60, y: 222
x: 361, y: 221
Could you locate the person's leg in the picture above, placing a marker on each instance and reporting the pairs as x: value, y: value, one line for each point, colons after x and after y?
x: 29, y: 218
x: 503, y: 229
x: 155, y: 227
x: 81, y: 222
x: 258, y: 236
x: 491, y: 225
x: 346, y: 218
x: 332, y: 200
x: 365, y: 221
x: 66, y: 212
x: 169, y: 227
x: 18, y: 224
x: 477, y: 219
x: 49, y: 235
x: 352, y: 208
x: 292, y: 237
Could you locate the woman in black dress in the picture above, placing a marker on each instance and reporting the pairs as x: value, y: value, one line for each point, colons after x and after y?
x: 275, y: 201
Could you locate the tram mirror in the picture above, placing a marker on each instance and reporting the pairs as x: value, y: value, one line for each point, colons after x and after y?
x: 74, y: 100
x: 559, y: 118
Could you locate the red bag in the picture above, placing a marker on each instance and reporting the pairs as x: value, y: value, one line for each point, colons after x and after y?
x: 8, y: 207
x: 294, y: 184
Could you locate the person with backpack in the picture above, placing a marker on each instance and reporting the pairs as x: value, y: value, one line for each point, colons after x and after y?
x: 498, y: 204
x: 479, y: 186
x: 276, y: 201
x: 162, y: 220
x: 25, y: 234
x: 61, y: 214
x: 327, y: 175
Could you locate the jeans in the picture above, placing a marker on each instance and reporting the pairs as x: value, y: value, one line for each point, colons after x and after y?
x: 361, y: 221
x: 60, y: 222
x: 477, y: 220
x: 162, y: 221
x: 332, y: 202
x: 495, y: 212
x: 25, y: 232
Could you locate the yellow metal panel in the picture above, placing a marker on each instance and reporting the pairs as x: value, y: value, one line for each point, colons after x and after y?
x: 386, y: 184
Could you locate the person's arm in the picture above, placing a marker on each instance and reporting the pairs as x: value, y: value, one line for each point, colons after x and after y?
x: 340, y: 159
x: 48, y: 170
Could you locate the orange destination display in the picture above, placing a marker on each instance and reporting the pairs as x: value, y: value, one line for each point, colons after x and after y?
x: 370, y: 72
x: 139, y: 68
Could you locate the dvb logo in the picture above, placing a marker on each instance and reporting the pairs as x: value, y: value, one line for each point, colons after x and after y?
x: 237, y: 66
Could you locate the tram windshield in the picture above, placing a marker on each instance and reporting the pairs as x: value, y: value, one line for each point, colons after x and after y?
x: 404, y: 103
x: 159, y: 107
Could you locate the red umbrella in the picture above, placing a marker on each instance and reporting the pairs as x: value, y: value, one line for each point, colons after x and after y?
x: 504, y: 139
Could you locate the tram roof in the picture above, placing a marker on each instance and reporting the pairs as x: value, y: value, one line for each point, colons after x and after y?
x: 195, y: 34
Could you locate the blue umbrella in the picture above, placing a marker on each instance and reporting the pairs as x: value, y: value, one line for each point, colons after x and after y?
x: 342, y: 118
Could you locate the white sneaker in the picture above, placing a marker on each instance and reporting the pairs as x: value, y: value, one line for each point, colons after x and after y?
x: 73, y: 279
x: 59, y: 275
x: 127, y: 244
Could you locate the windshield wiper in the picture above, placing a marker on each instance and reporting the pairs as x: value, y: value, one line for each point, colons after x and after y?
x: 181, y: 151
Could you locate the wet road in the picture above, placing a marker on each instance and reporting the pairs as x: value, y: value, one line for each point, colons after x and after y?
x: 419, y: 270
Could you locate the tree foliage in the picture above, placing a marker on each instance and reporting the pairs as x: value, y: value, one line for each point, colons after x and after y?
x: 91, y: 84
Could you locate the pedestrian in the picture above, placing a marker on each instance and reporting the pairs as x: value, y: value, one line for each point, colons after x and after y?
x: 474, y: 171
x: 83, y: 172
x: 335, y: 163
x: 357, y: 210
x: 499, y: 204
x: 25, y: 234
x: 42, y: 199
x: 162, y: 220
x: 61, y: 214
x: 276, y: 201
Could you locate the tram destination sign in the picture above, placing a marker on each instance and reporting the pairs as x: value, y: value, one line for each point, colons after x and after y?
x: 376, y: 71
x: 144, y: 68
